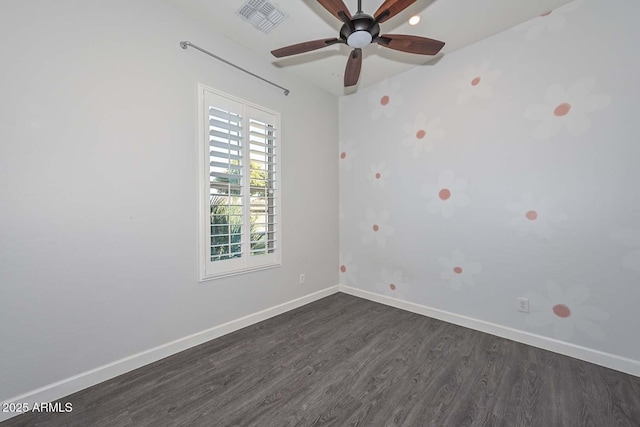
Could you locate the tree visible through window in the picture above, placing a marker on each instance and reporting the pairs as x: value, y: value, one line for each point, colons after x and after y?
x: 226, y: 224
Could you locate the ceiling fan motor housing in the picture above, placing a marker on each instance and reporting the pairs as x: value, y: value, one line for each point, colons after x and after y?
x: 362, y: 31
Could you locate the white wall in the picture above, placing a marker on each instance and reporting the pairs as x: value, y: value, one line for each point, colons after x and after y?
x: 98, y: 186
x: 481, y: 124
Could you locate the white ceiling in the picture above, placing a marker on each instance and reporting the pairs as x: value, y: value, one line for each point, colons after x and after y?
x: 459, y: 23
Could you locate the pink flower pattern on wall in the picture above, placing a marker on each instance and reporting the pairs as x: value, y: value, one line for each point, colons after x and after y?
x: 376, y: 228
x: 535, y: 216
x: 385, y: 99
x: 422, y: 134
x: 477, y: 82
x: 378, y: 175
x: 391, y: 283
x: 567, y: 108
x: 348, y: 271
x: 458, y: 271
x: 447, y: 195
x: 565, y: 311
x: 346, y: 153
x: 551, y: 21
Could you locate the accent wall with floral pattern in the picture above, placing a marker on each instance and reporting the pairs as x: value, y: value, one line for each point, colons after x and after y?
x: 507, y: 169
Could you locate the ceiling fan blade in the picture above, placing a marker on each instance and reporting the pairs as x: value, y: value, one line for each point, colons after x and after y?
x: 304, y: 47
x: 335, y: 7
x: 354, y: 65
x: 410, y: 44
x: 391, y: 8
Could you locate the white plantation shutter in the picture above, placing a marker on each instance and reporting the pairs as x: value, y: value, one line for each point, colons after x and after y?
x: 240, y: 226
x: 262, y: 165
x: 225, y: 182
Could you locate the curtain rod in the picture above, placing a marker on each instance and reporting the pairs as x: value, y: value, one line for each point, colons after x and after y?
x: 186, y: 44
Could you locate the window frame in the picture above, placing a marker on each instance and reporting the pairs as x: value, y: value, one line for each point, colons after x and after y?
x: 211, y: 270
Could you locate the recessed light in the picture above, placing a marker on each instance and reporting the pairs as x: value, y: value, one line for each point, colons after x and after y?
x: 414, y: 20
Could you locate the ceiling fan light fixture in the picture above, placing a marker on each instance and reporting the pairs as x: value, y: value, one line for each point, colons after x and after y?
x: 359, y: 39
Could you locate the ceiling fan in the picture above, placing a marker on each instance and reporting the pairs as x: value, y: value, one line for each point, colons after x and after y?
x: 359, y: 31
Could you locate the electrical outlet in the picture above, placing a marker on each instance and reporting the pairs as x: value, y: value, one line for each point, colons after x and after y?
x: 523, y: 305
x: 302, y: 278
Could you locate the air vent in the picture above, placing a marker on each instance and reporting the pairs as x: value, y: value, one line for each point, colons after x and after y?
x: 262, y: 14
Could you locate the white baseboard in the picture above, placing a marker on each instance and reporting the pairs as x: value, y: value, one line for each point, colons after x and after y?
x: 95, y: 376
x: 597, y: 357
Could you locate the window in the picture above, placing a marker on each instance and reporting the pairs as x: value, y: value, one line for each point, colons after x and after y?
x: 239, y: 195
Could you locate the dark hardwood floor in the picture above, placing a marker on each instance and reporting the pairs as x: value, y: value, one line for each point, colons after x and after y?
x: 345, y: 361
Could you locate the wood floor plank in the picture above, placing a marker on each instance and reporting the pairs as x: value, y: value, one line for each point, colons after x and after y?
x: 345, y: 361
